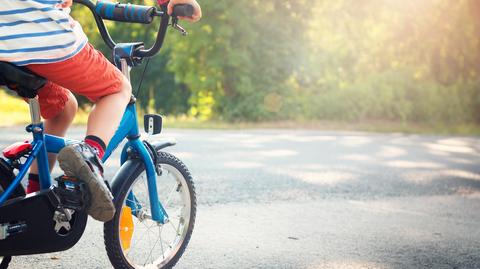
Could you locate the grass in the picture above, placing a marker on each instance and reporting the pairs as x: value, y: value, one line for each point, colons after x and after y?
x: 12, y: 110
x: 15, y: 111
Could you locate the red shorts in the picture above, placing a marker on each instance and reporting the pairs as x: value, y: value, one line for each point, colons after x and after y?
x: 88, y: 73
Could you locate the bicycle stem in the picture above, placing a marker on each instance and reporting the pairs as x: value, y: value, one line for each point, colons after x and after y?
x: 125, y: 68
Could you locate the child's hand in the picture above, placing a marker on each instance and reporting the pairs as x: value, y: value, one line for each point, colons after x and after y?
x: 197, y: 11
x: 66, y: 4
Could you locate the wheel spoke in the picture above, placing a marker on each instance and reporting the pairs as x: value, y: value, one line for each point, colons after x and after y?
x: 161, y: 243
x: 169, y: 198
x: 151, y: 251
x: 175, y: 229
x: 135, y: 243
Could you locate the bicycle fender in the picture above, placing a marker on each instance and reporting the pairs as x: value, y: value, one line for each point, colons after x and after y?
x: 159, y: 145
x: 131, y: 168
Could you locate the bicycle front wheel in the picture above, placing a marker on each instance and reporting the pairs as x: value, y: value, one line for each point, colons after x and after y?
x: 132, y: 238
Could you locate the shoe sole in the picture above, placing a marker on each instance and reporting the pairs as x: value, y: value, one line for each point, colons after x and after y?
x: 101, y: 205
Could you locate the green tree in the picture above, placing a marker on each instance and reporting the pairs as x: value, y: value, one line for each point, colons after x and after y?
x: 238, y: 60
x: 409, y: 61
x: 159, y: 91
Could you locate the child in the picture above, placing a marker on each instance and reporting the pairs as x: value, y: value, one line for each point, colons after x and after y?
x: 41, y: 35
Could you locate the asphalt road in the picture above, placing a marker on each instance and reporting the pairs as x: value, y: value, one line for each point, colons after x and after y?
x: 311, y: 199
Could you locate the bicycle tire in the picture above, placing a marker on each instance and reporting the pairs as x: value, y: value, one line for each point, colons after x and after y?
x: 112, y: 239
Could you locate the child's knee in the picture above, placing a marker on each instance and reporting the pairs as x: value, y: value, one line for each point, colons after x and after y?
x: 57, y: 102
x: 71, y: 107
x: 69, y: 110
x: 126, y: 88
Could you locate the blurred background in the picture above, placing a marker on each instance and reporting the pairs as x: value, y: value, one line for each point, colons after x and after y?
x: 371, y: 64
x: 301, y: 198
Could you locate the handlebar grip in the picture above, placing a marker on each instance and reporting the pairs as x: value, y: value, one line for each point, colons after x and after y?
x: 125, y: 12
x: 183, y: 10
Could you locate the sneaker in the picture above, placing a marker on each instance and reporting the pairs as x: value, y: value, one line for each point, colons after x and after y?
x: 80, y: 161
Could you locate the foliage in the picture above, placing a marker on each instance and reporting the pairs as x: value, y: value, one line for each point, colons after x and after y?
x: 410, y: 61
x: 160, y: 91
x: 407, y: 61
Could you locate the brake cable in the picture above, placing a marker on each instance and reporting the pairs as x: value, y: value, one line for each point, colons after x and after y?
x: 142, y: 77
x: 146, y: 65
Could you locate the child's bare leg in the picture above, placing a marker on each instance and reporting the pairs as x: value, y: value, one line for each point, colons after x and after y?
x: 90, y: 74
x: 58, y: 126
x: 82, y: 160
x: 105, y: 117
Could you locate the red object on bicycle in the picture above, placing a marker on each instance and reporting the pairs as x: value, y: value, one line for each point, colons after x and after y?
x: 17, y: 150
x: 162, y: 2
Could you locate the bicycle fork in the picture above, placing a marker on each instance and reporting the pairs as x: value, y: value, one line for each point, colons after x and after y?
x: 158, y: 212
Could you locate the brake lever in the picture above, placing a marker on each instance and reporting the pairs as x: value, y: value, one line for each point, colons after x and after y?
x: 177, y: 27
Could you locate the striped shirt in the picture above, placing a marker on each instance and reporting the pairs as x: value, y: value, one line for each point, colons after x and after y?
x: 38, y: 32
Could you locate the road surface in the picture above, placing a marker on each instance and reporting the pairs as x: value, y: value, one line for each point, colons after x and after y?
x: 314, y: 199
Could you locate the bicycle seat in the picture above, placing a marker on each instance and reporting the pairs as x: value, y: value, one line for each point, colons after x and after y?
x: 20, y: 79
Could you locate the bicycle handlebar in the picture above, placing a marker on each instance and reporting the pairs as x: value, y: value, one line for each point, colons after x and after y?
x: 100, y: 24
x: 125, y: 12
x: 134, y: 13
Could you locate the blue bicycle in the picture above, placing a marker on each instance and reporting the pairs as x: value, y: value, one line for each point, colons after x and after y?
x: 153, y: 191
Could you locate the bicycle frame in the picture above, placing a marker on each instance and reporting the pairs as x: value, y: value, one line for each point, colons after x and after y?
x: 125, y: 56
x: 128, y: 128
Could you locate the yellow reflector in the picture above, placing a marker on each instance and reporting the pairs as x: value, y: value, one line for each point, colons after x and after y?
x: 126, y: 227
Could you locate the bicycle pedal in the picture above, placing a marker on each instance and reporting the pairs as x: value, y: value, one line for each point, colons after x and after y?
x: 65, y: 178
x: 73, y: 194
